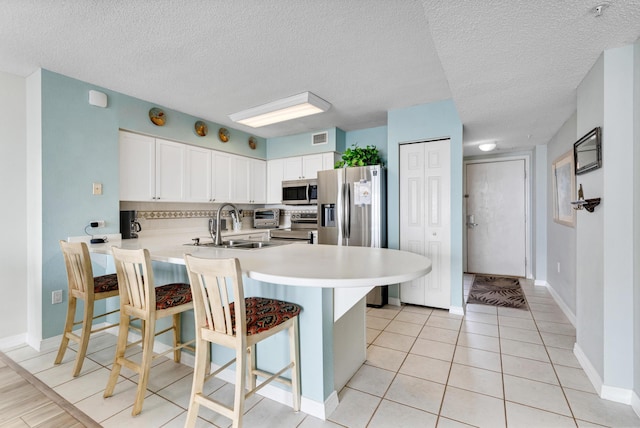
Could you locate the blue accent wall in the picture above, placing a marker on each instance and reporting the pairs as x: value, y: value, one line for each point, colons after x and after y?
x: 79, y: 147
x: 370, y: 137
x: 422, y: 123
x: 300, y: 144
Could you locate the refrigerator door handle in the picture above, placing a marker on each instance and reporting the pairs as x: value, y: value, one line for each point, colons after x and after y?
x: 347, y: 211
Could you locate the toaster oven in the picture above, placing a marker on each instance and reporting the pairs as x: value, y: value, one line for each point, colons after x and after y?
x: 266, y: 218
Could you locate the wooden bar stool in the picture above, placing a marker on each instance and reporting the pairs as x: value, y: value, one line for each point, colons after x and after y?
x: 239, y: 327
x: 84, y: 286
x: 139, y: 298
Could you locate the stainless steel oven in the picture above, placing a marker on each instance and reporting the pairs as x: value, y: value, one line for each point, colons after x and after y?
x: 300, y: 192
x: 304, y: 226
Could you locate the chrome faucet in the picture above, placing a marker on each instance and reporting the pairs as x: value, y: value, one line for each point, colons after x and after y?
x: 218, y: 239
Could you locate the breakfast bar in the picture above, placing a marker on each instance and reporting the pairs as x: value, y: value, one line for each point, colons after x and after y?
x: 328, y: 282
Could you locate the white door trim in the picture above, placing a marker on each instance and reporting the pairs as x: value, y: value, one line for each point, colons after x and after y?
x: 528, y: 204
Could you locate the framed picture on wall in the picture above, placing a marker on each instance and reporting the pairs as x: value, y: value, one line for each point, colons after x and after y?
x: 564, y: 185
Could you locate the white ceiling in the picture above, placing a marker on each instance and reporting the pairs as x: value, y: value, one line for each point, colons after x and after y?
x: 511, y: 66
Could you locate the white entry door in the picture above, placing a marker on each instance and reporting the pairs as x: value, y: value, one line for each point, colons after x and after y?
x: 425, y: 219
x: 496, y: 217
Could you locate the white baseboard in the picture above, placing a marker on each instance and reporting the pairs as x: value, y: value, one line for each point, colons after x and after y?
x: 13, y: 341
x: 588, y: 368
x: 635, y: 403
x: 456, y: 310
x: 606, y: 392
x: 619, y: 395
x: 556, y: 297
x: 541, y: 283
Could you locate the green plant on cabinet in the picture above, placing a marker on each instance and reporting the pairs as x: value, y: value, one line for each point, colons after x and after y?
x: 359, y: 156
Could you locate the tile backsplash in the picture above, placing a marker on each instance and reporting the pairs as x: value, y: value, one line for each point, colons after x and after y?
x: 193, y: 216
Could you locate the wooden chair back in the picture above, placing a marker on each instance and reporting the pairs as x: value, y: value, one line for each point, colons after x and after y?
x: 135, y: 280
x: 79, y: 271
x: 211, y: 281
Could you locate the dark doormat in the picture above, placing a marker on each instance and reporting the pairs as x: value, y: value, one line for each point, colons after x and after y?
x: 497, y: 291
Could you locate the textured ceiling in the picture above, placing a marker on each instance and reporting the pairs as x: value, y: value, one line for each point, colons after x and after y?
x: 511, y: 67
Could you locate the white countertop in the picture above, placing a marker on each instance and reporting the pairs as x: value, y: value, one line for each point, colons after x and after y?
x: 291, y: 264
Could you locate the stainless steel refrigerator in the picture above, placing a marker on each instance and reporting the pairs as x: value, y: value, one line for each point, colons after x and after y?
x: 352, y: 212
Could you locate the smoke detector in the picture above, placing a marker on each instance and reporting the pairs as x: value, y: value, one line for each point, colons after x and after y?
x: 599, y: 9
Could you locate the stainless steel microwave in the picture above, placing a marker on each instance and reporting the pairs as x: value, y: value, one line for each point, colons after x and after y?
x: 300, y: 192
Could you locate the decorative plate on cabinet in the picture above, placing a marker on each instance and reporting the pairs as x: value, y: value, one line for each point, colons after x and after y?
x: 201, y: 128
x: 157, y: 116
x: 223, y: 135
x: 252, y: 143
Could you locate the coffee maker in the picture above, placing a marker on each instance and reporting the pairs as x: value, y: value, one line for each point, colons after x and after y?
x: 129, y: 227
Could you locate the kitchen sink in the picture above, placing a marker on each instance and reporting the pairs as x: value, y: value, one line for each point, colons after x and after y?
x: 237, y: 244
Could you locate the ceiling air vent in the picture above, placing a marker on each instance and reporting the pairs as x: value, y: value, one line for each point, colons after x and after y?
x: 320, y: 138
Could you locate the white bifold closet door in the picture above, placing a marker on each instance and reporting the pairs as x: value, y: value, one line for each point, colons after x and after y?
x: 425, y: 219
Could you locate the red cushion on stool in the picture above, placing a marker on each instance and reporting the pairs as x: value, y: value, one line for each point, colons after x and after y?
x: 170, y: 295
x: 104, y: 283
x: 263, y: 314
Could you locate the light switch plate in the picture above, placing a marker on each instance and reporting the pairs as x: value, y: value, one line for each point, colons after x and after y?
x: 97, y: 188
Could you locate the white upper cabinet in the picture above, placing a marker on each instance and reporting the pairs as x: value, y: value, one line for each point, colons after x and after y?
x: 258, y: 181
x: 305, y: 167
x: 221, y: 176
x: 275, y: 175
x: 292, y: 168
x: 240, y: 179
x: 137, y: 167
x: 198, y: 174
x: 170, y: 171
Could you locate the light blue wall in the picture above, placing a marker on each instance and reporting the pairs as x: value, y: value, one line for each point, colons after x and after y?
x: 636, y: 227
x: 618, y: 245
x: 422, y: 123
x: 589, y: 226
x: 370, y: 137
x: 300, y: 144
x: 79, y: 147
x: 540, y: 213
x: 561, y: 239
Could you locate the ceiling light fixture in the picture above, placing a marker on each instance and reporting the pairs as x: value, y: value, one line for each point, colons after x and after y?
x: 487, y: 147
x: 304, y: 104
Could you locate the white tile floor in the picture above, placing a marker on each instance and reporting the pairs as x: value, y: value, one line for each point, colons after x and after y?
x: 425, y: 368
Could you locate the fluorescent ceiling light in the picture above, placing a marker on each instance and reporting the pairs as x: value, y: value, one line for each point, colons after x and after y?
x: 487, y: 147
x: 293, y: 107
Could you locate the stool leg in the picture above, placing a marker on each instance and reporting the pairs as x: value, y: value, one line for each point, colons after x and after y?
x: 177, y: 353
x: 121, y: 347
x: 238, y: 401
x: 200, y: 371
x: 68, y: 328
x: 252, y: 368
x: 145, y: 365
x: 294, y: 352
x: 87, y: 322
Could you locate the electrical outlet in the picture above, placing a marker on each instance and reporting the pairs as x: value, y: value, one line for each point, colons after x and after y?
x: 56, y: 297
x: 97, y: 188
x: 98, y: 223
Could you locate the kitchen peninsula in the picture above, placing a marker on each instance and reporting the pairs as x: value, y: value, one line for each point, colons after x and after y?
x: 329, y: 282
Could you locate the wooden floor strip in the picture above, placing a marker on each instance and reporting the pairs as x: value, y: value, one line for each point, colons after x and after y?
x: 19, y: 388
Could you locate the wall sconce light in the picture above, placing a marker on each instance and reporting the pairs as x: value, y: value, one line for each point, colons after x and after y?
x: 582, y: 203
x: 304, y: 104
x: 98, y: 99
